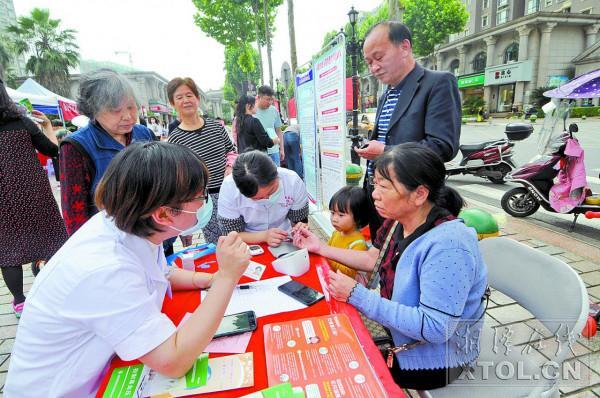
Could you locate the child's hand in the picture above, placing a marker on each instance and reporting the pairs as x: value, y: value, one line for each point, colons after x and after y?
x: 340, y: 285
x: 305, y: 239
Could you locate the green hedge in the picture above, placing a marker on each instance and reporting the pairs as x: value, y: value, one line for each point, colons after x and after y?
x: 585, y: 111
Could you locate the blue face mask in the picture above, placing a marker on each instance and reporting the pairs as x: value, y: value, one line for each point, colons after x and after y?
x: 203, y: 215
x: 274, y: 198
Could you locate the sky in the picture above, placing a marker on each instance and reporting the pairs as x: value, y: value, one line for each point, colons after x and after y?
x: 160, y: 35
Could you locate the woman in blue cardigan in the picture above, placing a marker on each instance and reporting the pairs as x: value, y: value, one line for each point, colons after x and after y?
x: 432, y: 275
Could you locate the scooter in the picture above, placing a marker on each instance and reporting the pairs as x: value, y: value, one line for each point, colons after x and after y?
x: 537, y: 177
x: 491, y: 159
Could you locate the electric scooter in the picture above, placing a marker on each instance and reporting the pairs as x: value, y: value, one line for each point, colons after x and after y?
x: 537, y: 177
x: 491, y: 159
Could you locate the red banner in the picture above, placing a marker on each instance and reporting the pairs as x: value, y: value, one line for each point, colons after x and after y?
x: 68, y: 109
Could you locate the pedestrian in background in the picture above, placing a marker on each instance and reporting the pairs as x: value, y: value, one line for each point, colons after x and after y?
x: 31, y: 228
x: 250, y: 132
x: 271, y: 121
x: 420, y: 105
x: 107, y: 98
x: 208, y: 139
x: 292, y: 149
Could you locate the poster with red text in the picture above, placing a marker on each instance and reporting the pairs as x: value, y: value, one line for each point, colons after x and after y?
x: 322, y: 355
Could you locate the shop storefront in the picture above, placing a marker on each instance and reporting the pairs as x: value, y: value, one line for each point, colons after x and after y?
x: 502, y: 81
x: 471, y: 85
x: 162, y: 111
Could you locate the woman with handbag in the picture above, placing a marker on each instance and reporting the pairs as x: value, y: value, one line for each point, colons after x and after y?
x: 431, y: 273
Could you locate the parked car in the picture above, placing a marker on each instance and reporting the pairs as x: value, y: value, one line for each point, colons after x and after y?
x: 366, y: 123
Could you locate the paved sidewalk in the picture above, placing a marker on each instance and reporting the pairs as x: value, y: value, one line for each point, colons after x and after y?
x: 507, y: 315
x: 502, y: 310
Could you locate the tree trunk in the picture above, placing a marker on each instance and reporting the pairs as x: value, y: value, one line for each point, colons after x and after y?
x: 394, y: 10
x: 268, y: 37
x: 292, y: 29
x: 259, y: 47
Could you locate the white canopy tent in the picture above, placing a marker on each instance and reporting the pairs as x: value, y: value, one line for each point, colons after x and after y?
x: 30, y: 86
x: 33, y: 98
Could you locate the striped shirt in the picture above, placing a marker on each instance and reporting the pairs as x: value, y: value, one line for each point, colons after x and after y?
x: 391, y: 99
x: 211, y: 143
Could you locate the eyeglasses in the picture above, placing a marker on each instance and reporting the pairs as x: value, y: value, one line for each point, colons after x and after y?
x: 203, y: 198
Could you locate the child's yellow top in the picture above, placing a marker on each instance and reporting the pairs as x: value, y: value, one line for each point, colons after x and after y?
x: 354, y: 241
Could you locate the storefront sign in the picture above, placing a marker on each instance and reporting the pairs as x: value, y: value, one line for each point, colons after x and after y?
x: 508, y: 73
x: 158, y: 107
x: 557, y: 80
x: 471, y: 80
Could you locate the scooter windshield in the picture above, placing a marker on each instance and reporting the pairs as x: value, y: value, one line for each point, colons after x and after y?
x: 552, y: 132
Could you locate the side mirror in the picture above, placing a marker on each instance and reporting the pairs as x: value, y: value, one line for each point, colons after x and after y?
x: 573, y: 128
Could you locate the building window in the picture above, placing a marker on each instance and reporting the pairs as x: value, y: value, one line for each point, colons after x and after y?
x: 479, y: 62
x: 454, y: 67
x: 502, y: 3
x: 486, y: 4
x: 586, y: 11
x: 484, y: 21
x: 511, y: 54
x: 566, y: 10
x: 532, y: 6
x: 501, y: 16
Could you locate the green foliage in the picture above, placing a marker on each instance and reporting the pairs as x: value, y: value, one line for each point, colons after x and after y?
x: 472, y: 104
x: 231, y: 22
x: 431, y: 21
x: 581, y: 111
x: 240, y: 65
x: 51, y: 51
x: 537, y: 96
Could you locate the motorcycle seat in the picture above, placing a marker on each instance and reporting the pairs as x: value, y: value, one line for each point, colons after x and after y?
x: 475, y: 147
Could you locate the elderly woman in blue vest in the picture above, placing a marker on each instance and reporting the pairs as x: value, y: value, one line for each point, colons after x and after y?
x: 432, y: 275
x: 107, y: 98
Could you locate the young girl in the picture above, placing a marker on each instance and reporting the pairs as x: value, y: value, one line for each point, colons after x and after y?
x: 348, y: 208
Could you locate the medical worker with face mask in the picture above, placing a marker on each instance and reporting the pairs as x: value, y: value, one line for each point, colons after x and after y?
x: 261, y: 201
x: 101, y: 294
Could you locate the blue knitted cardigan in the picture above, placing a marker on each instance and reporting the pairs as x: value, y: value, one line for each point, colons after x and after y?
x: 437, y: 298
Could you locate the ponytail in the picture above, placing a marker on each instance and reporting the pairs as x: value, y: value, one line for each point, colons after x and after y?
x: 448, y: 198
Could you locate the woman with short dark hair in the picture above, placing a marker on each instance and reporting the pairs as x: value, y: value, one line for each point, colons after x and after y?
x: 432, y: 275
x: 261, y: 201
x: 107, y: 98
x: 102, y: 293
x: 250, y: 132
x: 31, y: 228
x: 207, y: 138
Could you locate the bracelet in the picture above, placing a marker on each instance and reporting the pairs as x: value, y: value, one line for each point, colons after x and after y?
x: 352, y: 291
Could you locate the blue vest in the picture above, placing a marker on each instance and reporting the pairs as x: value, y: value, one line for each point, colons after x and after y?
x: 102, y: 148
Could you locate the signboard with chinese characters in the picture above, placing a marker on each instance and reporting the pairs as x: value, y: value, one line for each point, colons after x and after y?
x: 471, y: 80
x: 508, y: 73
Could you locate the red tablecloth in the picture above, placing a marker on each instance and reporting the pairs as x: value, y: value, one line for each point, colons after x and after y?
x: 183, y: 302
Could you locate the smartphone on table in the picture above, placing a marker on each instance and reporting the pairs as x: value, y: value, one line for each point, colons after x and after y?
x: 236, y: 324
x: 304, y: 294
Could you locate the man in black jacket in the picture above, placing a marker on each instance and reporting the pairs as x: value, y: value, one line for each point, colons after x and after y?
x: 420, y: 105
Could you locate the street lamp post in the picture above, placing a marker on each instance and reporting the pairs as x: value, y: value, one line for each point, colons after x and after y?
x: 353, y: 47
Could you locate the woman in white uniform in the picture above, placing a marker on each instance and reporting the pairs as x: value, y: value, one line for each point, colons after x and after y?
x: 261, y: 201
x: 101, y: 294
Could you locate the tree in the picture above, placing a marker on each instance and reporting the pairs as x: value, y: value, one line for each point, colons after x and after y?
x: 431, y: 21
x: 292, y: 31
x: 227, y: 21
x: 51, y: 51
x: 240, y: 66
x: 268, y: 40
x: 394, y: 10
x: 537, y: 96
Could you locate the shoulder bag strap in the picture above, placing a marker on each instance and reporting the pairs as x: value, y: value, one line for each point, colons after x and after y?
x: 372, y: 283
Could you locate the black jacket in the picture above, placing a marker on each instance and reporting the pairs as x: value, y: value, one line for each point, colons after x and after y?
x: 252, y: 135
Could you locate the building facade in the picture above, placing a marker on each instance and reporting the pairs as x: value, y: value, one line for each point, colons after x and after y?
x: 511, y: 47
x: 8, y: 17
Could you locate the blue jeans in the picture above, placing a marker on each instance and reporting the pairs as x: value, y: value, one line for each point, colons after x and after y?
x: 276, y: 159
x: 291, y: 149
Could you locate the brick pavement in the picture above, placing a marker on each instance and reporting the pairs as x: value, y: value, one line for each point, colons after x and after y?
x: 502, y: 311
